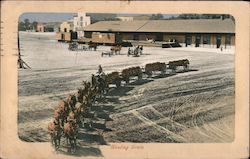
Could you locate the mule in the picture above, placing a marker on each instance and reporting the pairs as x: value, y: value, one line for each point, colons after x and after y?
x: 70, y: 131
x: 55, y: 131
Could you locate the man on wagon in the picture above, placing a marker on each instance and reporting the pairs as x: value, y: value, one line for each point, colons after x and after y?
x: 100, y: 71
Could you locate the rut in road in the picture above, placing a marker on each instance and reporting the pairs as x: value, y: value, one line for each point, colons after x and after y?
x: 172, y: 135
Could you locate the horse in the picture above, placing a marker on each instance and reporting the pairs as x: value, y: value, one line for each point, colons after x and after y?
x: 79, y: 112
x: 92, y: 46
x: 71, y: 100
x: 101, y: 85
x: 70, y: 131
x: 116, y: 49
x: 55, y: 131
x: 62, y: 110
x: 135, y: 52
x: 70, y: 134
x: 150, y: 40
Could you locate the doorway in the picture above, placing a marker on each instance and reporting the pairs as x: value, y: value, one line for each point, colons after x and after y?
x: 188, y: 40
x: 62, y: 36
x: 218, y: 41
x: 197, y: 40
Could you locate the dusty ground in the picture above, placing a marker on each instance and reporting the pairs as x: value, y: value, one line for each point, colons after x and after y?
x: 194, y: 106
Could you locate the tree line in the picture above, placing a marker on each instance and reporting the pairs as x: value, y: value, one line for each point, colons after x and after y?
x: 27, y: 25
x: 192, y: 16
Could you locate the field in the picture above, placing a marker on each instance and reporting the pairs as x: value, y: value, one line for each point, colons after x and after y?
x: 189, y: 107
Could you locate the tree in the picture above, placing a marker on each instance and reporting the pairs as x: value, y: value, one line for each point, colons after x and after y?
x: 156, y: 16
x: 21, y: 26
x: 34, y: 25
x: 27, y: 24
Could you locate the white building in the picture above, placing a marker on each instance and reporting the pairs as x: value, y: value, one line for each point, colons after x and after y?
x: 80, y: 21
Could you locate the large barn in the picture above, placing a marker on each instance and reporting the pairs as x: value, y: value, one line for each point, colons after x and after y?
x: 196, y: 32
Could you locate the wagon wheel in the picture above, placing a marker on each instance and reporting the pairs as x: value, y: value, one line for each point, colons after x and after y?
x: 140, y: 76
x: 118, y: 83
x: 163, y: 71
x: 126, y: 80
x: 173, y: 68
x: 186, y: 67
x: 149, y: 73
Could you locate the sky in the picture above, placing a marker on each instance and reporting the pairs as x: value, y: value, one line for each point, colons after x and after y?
x: 59, y: 17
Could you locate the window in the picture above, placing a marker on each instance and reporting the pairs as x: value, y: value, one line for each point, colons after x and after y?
x: 81, y: 23
x: 206, y: 39
x: 81, y: 18
x: 65, y: 29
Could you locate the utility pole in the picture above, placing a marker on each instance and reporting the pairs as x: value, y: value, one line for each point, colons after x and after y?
x: 20, y: 61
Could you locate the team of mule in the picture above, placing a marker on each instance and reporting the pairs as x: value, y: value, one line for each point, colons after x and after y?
x: 76, y: 110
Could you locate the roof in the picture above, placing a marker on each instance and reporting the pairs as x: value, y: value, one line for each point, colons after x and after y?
x: 177, y: 26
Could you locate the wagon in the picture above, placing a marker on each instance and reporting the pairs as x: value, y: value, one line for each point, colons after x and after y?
x: 109, y: 53
x: 157, y: 66
x: 131, y: 72
x: 174, y: 64
x: 73, y: 46
x: 76, y: 47
x: 116, y: 49
x: 113, y: 78
x: 92, y: 46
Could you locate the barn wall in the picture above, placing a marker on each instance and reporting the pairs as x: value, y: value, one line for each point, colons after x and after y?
x: 142, y: 37
x: 223, y: 39
x: 213, y: 40
x: 103, y: 38
x: 233, y: 40
x: 87, y: 34
x: 127, y: 36
x: 179, y: 38
x: 193, y: 39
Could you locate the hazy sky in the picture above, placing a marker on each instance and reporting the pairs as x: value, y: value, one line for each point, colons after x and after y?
x: 59, y: 17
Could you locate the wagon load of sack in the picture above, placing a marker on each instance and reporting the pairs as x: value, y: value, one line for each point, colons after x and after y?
x: 174, y: 64
x: 131, y: 72
x: 113, y: 78
x: 157, y: 66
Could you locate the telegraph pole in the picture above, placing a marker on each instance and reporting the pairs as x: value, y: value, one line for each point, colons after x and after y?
x: 20, y: 61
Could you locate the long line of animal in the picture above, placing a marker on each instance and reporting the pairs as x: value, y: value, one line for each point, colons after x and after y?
x: 76, y: 110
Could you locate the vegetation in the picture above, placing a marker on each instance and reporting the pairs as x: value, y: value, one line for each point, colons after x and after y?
x: 203, y: 16
x: 26, y: 25
x: 156, y: 16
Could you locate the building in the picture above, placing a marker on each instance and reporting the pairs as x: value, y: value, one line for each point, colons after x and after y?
x: 67, y: 26
x: 65, y: 32
x: 195, y: 32
x: 80, y: 21
x: 40, y: 27
x: 48, y: 27
x: 131, y: 18
x: 52, y: 27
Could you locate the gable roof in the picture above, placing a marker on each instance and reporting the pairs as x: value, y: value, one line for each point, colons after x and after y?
x: 177, y: 26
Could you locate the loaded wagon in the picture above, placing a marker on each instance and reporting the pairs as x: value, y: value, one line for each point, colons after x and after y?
x: 153, y: 67
x: 174, y: 64
x: 131, y: 72
x: 113, y: 78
